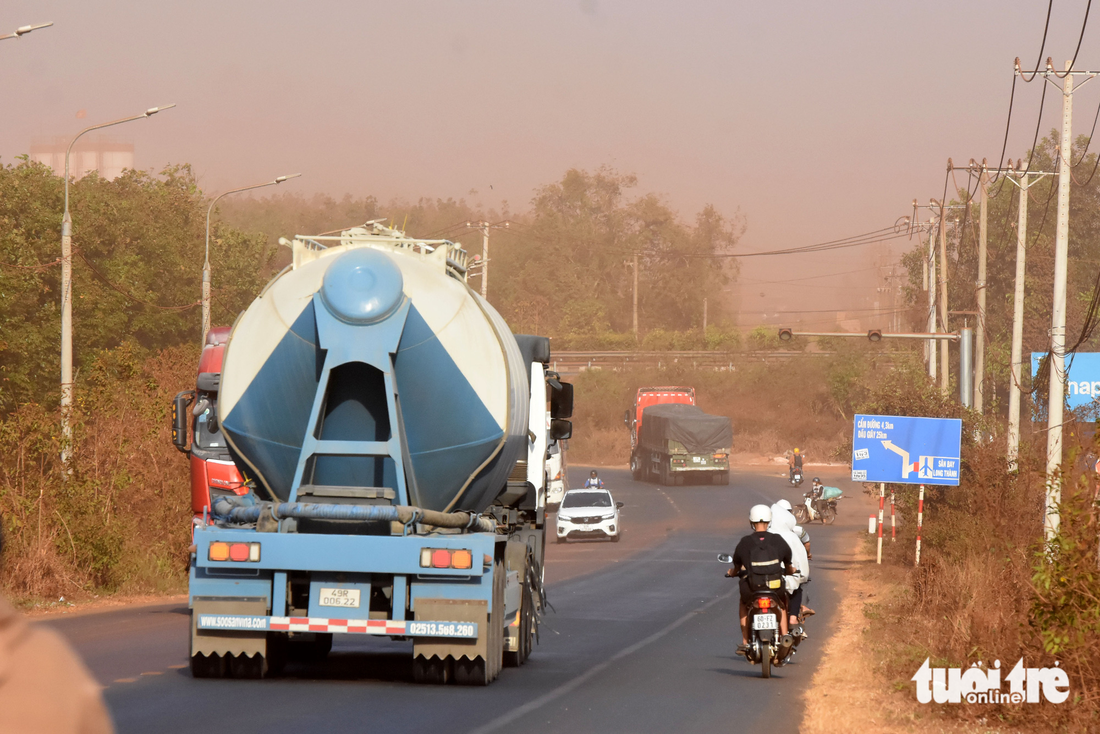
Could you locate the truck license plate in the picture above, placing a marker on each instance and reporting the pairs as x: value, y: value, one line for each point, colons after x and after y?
x: 764, y: 622
x: 339, y: 598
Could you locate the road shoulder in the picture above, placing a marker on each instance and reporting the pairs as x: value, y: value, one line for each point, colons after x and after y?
x: 848, y: 691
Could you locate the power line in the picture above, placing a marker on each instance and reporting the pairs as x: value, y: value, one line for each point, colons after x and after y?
x: 1080, y: 38
x: 1046, y: 27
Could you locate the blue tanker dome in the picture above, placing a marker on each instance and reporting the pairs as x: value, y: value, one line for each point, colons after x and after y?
x: 362, y: 286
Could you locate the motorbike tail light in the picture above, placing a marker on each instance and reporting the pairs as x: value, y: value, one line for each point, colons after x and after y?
x: 764, y: 603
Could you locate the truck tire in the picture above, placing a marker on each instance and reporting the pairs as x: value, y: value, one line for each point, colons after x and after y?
x: 722, y: 478
x: 514, y: 659
x: 207, y: 666
x: 636, y: 470
x: 432, y: 671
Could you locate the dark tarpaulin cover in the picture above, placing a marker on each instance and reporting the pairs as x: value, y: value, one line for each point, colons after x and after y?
x: 699, y: 432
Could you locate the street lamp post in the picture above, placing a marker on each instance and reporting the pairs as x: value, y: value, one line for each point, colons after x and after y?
x: 24, y: 30
x: 67, y: 295
x: 206, y: 258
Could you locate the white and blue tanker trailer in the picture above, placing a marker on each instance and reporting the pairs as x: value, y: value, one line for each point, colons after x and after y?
x: 393, y: 433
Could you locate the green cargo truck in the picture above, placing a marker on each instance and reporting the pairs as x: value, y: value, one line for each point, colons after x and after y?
x: 680, y: 444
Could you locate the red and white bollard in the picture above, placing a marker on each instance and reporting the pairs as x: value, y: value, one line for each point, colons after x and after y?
x: 893, y: 521
x: 881, y: 501
x: 920, y: 521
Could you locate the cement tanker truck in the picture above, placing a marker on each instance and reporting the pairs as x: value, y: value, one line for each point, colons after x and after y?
x: 392, y: 432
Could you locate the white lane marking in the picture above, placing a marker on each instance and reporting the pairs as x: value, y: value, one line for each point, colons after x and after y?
x: 670, y: 501
x: 521, y: 711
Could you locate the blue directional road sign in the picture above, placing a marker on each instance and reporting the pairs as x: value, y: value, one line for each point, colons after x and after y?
x: 904, y: 450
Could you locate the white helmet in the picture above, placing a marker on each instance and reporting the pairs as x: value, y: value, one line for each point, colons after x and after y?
x: 784, y: 504
x: 760, y: 513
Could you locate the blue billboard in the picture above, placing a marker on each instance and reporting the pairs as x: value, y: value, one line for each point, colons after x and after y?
x: 906, y: 450
x: 1082, y: 377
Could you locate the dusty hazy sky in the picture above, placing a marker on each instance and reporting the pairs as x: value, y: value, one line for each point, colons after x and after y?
x: 816, y: 120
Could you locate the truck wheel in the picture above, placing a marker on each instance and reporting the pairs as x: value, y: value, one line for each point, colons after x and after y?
x: 635, y: 467
x: 514, y: 659
x: 243, y: 667
x: 207, y: 666
x: 722, y: 478
x: 432, y: 671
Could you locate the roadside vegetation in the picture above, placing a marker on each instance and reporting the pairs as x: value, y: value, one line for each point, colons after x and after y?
x: 120, y: 520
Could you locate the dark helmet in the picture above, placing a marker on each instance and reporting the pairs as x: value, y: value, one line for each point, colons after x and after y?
x: 593, y: 475
x: 817, y: 481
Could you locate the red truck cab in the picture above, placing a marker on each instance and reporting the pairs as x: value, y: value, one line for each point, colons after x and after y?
x: 212, y: 469
x: 648, y: 396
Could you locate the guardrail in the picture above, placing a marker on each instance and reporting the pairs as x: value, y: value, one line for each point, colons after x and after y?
x: 571, y: 363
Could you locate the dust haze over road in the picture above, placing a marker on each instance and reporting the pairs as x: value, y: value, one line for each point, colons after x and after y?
x: 641, y: 639
x: 815, y: 121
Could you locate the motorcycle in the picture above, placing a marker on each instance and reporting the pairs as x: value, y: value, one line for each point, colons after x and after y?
x: 766, y: 648
x: 796, y: 477
x: 816, y: 509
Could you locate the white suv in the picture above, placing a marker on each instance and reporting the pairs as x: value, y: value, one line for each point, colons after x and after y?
x: 590, y: 513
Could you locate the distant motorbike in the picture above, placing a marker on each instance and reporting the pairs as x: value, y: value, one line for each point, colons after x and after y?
x: 765, y: 647
x: 816, y: 509
x: 796, y: 478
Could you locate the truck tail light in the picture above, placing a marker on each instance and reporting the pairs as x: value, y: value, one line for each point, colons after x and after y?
x: 721, y: 456
x: 446, y: 558
x: 236, y: 552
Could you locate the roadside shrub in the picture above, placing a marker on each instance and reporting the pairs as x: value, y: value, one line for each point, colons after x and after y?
x: 120, y: 520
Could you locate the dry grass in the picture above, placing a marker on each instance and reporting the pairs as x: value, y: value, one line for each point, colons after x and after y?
x: 119, y: 523
x: 851, y: 689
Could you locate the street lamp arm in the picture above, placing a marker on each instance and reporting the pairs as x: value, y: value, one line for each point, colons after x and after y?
x: 206, y: 254
x: 24, y: 30
x: 210, y: 209
x: 148, y: 113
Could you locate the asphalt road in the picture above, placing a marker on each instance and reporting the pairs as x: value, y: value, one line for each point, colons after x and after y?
x: 641, y: 639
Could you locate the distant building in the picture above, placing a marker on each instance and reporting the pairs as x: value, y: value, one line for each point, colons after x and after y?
x: 105, y: 156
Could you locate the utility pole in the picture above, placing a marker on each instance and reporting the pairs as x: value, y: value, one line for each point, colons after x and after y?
x: 1057, y: 396
x: 930, y: 286
x: 635, y: 296
x: 485, y: 227
x: 704, y: 318
x: 1017, y: 327
x: 928, y: 266
x: 1022, y: 179
x: 944, y: 373
x: 979, y: 328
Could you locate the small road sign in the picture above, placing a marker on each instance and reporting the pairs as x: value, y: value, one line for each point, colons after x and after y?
x: 906, y: 450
